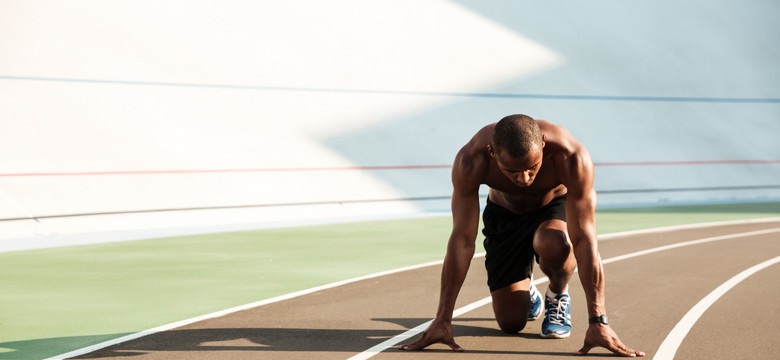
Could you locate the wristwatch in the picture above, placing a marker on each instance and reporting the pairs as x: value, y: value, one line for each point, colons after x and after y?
x: 603, y: 319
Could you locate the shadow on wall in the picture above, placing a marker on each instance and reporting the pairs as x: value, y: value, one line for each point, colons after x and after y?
x: 430, y: 137
x: 641, y: 94
x: 649, y: 48
x: 634, y: 132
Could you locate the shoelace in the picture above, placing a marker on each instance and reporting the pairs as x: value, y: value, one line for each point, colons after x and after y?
x: 557, y: 312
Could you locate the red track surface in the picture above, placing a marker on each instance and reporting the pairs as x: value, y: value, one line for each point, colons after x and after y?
x: 647, y: 296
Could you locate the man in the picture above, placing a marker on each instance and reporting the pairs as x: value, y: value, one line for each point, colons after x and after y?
x: 541, y: 205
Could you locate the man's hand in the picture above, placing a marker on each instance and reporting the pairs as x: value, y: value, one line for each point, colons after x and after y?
x: 599, y: 335
x: 439, y: 332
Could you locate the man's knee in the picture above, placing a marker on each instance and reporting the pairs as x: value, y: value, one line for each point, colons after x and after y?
x: 512, y: 326
x: 511, y: 305
x: 552, y: 244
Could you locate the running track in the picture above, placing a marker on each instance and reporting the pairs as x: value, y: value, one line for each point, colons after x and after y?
x: 715, y: 285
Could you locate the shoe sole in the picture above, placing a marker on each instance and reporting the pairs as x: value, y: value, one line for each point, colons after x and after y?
x: 534, y: 318
x: 555, y: 336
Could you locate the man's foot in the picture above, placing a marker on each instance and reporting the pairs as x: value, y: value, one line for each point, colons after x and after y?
x: 537, y: 305
x: 557, y: 318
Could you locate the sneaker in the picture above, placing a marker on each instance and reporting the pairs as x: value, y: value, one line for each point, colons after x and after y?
x: 557, y: 318
x: 536, y: 303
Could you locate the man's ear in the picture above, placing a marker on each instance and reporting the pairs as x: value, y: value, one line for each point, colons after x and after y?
x: 544, y: 140
x: 490, y: 150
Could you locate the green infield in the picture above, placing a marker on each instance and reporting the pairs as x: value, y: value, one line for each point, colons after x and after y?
x: 626, y: 219
x: 61, y: 299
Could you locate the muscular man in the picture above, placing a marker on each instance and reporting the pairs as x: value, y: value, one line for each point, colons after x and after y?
x: 541, y: 205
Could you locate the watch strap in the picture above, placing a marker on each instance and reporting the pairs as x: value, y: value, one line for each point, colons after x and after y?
x: 602, y: 319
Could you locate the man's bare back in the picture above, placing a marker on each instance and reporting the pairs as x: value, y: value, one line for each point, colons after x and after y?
x: 546, y: 184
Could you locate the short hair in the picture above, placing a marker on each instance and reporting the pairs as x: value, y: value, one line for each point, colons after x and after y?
x: 517, y: 135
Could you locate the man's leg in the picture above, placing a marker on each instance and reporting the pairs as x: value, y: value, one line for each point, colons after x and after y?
x: 511, y: 305
x: 552, y: 244
x: 556, y: 259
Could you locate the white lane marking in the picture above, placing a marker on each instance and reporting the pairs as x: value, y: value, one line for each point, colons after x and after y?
x: 688, y: 243
x: 418, y: 329
x: 612, y: 236
x: 669, y: 346
x: 158, y: 329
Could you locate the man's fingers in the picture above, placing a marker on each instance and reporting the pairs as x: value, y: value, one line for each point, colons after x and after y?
x: 584, y: 350
x: 455, y: 346
x: 636, y: 353
x: 409, y: 347
x: 417, y: 345
x: 422, y: 344
x: 620, y: 349
x: 624, y: 351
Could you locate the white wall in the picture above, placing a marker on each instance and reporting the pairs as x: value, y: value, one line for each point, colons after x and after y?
x: 120, y: 106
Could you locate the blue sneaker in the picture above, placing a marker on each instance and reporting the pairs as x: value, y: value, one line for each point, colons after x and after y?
x: 536, y: 303
x: 557, y: 318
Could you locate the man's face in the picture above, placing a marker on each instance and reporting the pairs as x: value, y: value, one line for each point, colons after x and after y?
x: 522, y: 171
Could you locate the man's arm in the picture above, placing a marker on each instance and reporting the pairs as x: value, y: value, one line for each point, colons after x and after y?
x: 460, y: 250
x: 576, y: 173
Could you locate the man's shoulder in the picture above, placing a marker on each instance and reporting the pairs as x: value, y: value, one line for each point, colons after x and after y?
x: 562, y: 142
x: 554, y: 130
x: 476, y: 149
x: 473, y: 160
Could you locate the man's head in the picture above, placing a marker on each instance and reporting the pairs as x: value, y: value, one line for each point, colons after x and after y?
x: 517, y: 135
x: 517, y: 147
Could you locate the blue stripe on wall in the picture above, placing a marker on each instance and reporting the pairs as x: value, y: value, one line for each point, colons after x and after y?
x: 402, y: 92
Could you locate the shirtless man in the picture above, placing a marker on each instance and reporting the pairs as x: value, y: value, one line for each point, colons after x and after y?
x: 541, y: 205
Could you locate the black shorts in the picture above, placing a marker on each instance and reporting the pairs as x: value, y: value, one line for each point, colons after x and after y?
x: 509, y: 240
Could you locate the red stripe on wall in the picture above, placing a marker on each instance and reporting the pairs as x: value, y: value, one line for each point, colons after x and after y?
x: 207, y: 171
x: 699, y: 162
x: 367, y: 168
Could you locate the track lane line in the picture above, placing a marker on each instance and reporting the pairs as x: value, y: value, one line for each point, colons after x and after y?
x: 420, y: 328
x: 105, y: 344
x: 688, y: 243
x: 669, y: 346
x: 655, y: 230
x: 409, y: 333
x: 375, y: 350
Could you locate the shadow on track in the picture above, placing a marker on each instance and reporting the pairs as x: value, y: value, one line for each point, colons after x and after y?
x: 290, y: 339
